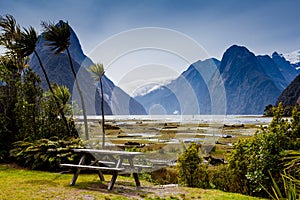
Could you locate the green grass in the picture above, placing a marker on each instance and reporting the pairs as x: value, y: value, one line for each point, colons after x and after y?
x: 16, y: 183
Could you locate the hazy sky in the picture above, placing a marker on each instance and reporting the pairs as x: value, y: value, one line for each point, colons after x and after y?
x: 263, y: 26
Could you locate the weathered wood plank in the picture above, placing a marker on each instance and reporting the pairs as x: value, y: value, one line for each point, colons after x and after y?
x: 93, y: 167
x: 125, y: 164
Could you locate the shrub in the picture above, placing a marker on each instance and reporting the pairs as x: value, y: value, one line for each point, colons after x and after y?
x: 254, y: 158
x: 221, y: 178
x: 45, y: 154
x: 167, y: 175
x: 191, y: 171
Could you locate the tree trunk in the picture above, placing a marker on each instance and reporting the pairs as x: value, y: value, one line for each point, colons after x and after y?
x: 102, y: 113
x: 81, y: 97
x: 51, y: 90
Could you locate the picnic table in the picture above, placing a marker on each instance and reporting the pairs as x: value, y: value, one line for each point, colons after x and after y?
x: 114, y: 165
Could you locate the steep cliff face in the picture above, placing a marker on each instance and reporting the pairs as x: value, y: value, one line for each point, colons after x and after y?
x: 289, y: 71
x: 59, y: 71
x: 291, y: 95
x: 249, y: 86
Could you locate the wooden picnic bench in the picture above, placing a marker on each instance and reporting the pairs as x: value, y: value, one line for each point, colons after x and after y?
x: 115, y: 166
x: 137, y: 168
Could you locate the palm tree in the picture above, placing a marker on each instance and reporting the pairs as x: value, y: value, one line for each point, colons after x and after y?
x: 98, y: 72
x: 62, y: 93
x: 58, y: 37
x: 11, y: 31
x: 26, y: 45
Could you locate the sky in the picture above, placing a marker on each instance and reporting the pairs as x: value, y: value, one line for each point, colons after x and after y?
x: 262, y: 26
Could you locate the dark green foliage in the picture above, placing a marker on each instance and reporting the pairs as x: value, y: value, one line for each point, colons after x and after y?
x: 50, y: 123
x: 25, y: 44
x: 28, y: 114
x: 57, y: 37
x: 191, y: 171
x: 5, y: 138
x: 220, y: 177
x: 46, y: 154
x: 268, y: 110
x: 9, y: 79
x: 286, y: 112
x: 25, y: 112
x: 254, y: 158
x: 27, y: 108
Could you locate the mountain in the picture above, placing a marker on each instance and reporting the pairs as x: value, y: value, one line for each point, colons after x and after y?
x: 291, y: 95
x: 59, y: 71
x: 241, y: 83
x: 271, y: 69
x: 188, y: 94
x: 287, y: 70
x: 248, y: 81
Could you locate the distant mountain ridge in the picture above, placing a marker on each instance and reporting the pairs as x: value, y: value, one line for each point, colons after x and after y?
x: 179, y: 96
x: 249, y: 83
x: 287, y: 70
x: 58, y: 69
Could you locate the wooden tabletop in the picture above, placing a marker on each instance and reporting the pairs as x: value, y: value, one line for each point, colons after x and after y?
x: 112, y: 152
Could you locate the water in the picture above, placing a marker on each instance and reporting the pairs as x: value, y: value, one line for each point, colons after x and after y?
x: 187, y: 119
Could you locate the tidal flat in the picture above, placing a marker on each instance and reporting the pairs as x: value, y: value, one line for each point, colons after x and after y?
x: 163, y: 138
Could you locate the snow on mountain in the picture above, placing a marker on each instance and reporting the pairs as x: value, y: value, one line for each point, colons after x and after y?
x: 149, y: 87
x: 293, y: 57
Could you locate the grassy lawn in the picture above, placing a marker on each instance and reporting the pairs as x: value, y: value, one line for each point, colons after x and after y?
x: 25, y: 184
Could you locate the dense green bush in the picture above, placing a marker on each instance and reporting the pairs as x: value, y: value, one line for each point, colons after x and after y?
x: 253, y: 160
x: 220, y: 177
x: 191, y: 171
x: 46, y: 154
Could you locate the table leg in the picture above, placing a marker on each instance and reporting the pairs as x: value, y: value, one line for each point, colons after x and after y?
x: 135, y: 175
x: 77, y: 172
x: 115, y: 174
x: 100, y: 174
x: 113, y: 180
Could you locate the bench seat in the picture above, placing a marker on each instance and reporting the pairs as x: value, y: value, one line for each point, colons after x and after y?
x: 125, y: 164
x: 93, y: 167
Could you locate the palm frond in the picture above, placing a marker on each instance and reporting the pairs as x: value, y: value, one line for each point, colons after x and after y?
x: 292, y: 160
x: 26, y: 44
x: 290, y: 188
x: 57, y: 36
x: 62, y: 94
x: 97, y: 71
x: 10, y: 31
